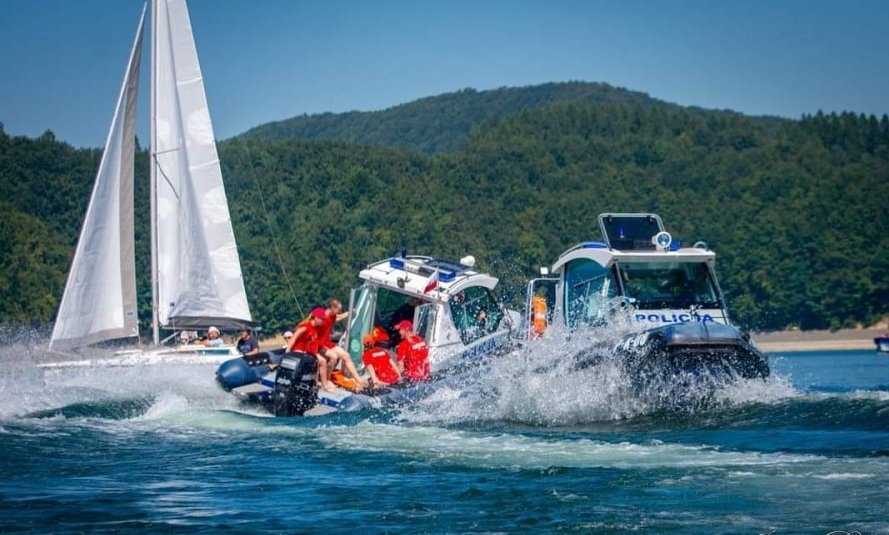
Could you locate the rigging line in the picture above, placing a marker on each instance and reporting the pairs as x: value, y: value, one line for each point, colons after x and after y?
x: 271, y: 231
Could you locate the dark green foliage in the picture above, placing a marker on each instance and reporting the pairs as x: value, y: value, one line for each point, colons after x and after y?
x: 437, y: 124
x: 796, y: 210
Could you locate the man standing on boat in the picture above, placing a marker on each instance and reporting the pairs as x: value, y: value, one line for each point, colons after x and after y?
x: 412, y: 354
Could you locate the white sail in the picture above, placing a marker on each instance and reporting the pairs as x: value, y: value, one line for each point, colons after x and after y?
x: 99, y: 302
x: 199, y: 272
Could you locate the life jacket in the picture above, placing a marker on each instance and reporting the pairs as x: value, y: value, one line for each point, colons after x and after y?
x: 538, y: 316
x: 414, y: 353
x: 326, y: 327
x: 307, y: 342
x: 381, y: 360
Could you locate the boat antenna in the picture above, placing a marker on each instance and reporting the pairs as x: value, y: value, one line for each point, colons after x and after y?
x: 268, y: 223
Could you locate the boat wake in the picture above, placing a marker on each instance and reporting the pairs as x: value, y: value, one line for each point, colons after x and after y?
x: 549, y: 383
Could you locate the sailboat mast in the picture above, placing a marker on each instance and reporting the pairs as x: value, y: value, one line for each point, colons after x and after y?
x: 155, y: 321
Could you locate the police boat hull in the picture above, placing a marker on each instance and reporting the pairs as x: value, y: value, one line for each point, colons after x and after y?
x: 715, y: 350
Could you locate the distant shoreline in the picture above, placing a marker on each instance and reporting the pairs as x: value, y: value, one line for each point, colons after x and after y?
x: 794, y: 340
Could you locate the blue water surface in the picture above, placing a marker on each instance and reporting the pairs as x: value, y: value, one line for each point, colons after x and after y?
x: 161, y: 449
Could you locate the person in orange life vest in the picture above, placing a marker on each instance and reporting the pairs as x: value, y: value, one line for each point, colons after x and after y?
x: 412, y: 353
x: 305, y: 339
x: 332, y: 314
x: 377, y: 359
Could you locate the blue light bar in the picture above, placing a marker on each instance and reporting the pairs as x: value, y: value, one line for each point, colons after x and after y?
x: 446, y: 276
x: 675, y: 245
x: 396, y: 263
x: 593, y: 245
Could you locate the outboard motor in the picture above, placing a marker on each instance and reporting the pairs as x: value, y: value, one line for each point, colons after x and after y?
x: 295, y: 387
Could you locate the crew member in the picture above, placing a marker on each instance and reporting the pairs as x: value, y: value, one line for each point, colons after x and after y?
x: 336, y: 354
x: 412, y: 353
x: 377, y: 359
x: 305, y: 339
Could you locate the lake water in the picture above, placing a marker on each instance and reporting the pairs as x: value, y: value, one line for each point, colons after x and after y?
x: 161, y: 449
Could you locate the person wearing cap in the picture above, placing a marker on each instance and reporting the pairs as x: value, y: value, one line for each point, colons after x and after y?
x: 332, y: 314
x: 288, y: 335
x: 213, y: 338
x: 412, y: 353
x: 305, y: 340
x: 247, y: 344
x: 377, y: 359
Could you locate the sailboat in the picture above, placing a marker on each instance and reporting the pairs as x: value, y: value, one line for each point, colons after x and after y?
x: 196, y: 278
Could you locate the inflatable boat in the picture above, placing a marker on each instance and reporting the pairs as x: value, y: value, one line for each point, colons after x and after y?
x: 452, y: 306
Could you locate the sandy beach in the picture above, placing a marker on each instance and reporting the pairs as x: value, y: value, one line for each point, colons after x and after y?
x: 795, y: 340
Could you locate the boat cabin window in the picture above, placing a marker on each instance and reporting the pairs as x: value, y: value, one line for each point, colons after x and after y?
x: 476, y: 313
x: 425, y: 321
x: 665, y: 285
x: 589, y: 287
x: 392, y: 307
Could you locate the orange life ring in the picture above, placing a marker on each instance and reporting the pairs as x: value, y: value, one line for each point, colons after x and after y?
x: 538, y: 318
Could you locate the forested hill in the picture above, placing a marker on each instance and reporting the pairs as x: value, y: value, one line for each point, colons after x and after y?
x: 794, y: 209
x: 441, y: 123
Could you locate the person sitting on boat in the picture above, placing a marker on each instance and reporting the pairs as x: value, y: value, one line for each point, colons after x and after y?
x: 377, y: 359
x: 247, y: 344
x: 305, y: 340
x: 213, y: 338
x: 404, y: 312
x: 288, y: 336
x: 332, y: 314
x: 412, y: 353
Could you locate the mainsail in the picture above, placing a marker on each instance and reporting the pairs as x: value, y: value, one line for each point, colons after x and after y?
x: 99, y: 302
x: 196, y: 271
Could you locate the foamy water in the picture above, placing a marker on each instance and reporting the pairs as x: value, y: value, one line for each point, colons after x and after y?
x: 529, y: 443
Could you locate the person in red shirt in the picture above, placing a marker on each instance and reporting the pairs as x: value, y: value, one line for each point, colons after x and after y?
x: 377, y: 359
x: 305, y: 339
x: 412, y: 353
x: 332, y: 314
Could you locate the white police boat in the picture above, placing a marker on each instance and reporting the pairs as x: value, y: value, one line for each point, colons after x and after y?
x: 452, y: 306
x: 679, y: 322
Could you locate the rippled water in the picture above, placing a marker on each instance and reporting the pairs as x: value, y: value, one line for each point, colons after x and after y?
x: 516, y: 447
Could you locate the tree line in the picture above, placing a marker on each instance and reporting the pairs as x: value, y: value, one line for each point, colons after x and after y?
x: 795, y: 209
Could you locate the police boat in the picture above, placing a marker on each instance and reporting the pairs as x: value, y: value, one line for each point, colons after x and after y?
x: 451, y: 305
x: 678, y: 319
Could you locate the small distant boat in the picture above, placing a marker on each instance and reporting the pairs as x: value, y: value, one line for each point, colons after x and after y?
x: 452, y: 306
x: 196, y: 271
x: 882, y: 343
x: 680, y: 322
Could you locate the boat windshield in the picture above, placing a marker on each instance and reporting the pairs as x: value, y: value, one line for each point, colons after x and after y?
x: 666, y: 285
x: 589, y: 288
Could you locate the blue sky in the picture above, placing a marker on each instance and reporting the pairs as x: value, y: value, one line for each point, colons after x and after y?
x: 62, y: 61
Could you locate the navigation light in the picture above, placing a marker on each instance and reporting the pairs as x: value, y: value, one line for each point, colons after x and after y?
x: 662, y: 240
